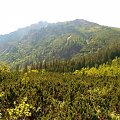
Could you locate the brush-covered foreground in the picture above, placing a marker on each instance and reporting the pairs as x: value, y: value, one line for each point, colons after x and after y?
x: 87, y: 94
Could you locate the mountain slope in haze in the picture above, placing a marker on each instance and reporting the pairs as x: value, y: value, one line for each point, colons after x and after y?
x: 10, y: 39
x: 64, y: 40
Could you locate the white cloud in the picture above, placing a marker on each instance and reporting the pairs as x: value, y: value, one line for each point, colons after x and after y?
x: 20, y: 13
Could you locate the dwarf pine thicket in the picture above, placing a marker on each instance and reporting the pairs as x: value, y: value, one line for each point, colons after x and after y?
x: 86, y: 94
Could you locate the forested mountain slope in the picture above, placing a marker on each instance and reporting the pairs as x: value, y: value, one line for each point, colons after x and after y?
x: 63, y: 40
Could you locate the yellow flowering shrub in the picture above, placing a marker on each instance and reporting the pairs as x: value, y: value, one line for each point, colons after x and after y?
x: 22, y: 110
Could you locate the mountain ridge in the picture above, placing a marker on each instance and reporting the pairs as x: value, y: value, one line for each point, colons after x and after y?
x: 62, y: 40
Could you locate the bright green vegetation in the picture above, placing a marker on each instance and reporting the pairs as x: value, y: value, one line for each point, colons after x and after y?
x: 86, y: 94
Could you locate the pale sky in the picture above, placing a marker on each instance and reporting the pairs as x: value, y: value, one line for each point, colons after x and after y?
x: 16, y: 14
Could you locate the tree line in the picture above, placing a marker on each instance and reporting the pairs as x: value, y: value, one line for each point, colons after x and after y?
x: 70, y: 65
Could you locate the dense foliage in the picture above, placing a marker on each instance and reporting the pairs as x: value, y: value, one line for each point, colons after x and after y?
x: 105, y: 55
x: 86, y: 94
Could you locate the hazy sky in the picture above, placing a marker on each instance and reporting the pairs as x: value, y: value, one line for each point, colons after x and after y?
x: 15, y: 14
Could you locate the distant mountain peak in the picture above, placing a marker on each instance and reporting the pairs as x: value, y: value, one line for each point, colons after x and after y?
x: 64, y: 40
x: 83, y: 22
